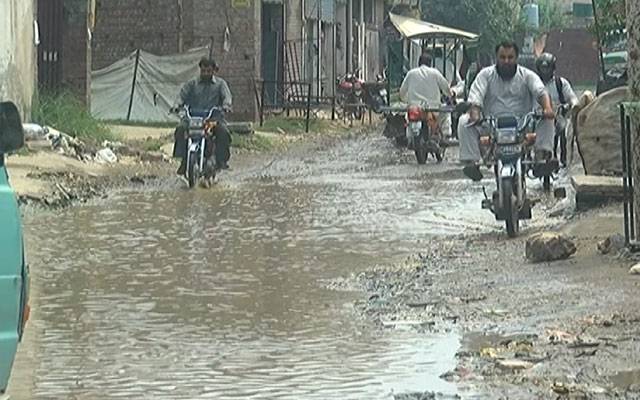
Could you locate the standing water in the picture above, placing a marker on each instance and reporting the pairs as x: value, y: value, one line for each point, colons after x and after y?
x: 175, y: 294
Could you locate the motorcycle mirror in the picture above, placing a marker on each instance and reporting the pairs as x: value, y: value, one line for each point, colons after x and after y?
x: 11, y: 132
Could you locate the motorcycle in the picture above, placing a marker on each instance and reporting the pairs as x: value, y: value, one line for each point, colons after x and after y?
x: 545, y: 164
x: 508, y: 144
x: 375, y: 94
x: 202, y: 125
x: 424, y: 129
x: 349, y: 96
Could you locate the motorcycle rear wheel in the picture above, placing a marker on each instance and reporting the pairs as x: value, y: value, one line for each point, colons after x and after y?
x: 512, y: 219
x: 421, y: 151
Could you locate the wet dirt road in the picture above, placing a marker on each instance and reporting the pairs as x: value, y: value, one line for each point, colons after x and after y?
x: 166, y: 293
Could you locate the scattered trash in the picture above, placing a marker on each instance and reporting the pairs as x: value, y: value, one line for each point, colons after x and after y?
x: 560, y: 337
x: 489, y: 352
x: 611, y: 244
x: 635, y: 270
x: 106, y: 156
x: 514, y: 365
x: 34, y: 132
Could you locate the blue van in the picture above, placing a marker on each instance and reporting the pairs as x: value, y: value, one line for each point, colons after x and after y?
x: 14, y: 273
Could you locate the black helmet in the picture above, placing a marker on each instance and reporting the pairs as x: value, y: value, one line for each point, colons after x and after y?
x: 546, y: 66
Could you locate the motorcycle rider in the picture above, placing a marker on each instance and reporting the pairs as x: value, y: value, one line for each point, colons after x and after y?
x: 426, y: 86
x: 503, y: 88
x: 203, y: 93
x: 561, y: 94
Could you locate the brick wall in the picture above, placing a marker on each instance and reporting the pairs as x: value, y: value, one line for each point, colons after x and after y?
x: 123, y: 26
x: 241, y: 64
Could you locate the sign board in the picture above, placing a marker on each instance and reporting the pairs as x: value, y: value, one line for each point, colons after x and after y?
x: 240, y: 3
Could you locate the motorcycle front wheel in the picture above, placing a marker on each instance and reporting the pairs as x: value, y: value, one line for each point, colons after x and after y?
x: 192, y: 171
x: 420, y: 150
x: 546, y: 184
x: 510, y: 199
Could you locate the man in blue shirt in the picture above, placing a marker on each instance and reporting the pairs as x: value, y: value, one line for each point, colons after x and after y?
x: 203, y: 93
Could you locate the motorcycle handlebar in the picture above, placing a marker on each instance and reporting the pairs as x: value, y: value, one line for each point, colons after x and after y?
x: 188, y: 112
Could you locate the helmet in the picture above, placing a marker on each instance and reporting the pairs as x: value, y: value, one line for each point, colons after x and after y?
x: 546, y: 66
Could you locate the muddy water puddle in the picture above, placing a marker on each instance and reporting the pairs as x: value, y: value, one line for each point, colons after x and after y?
x: 626, y: 379
x: 175, y: 294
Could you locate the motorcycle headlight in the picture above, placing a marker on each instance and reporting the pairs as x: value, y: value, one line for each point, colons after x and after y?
x: 196, y: 123
x: 507, y: 136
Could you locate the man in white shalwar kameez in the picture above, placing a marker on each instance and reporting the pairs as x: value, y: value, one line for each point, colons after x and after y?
x: 425, y: 86
x: 505, y: 88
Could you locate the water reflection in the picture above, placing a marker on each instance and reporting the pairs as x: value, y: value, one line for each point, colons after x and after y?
x: 174, y: 294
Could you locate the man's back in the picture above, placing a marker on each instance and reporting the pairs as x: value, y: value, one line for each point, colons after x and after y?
x: 424, y: 85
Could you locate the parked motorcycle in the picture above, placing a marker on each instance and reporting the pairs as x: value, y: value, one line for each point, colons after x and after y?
x: 396, y: 125
x: 202, y: 125
x: 349, y: 96
x: 424, y: 129
x: 375, y: 94
x: 507, y: 146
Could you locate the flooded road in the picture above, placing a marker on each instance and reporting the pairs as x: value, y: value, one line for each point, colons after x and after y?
x: 165, y: 293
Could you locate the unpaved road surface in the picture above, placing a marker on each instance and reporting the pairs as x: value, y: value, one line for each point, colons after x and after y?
x: 339, y: 270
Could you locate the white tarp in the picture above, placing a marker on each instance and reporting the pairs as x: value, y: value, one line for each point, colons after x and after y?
x: 158, y: 84
x: 412, y: 28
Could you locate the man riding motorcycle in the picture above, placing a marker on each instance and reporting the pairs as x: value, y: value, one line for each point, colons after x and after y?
x: 426, y: 86
x: 204, y: 93
x: 562, y: 95
x: 502, y: 89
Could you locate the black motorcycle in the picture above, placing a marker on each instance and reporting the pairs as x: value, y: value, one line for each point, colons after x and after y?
x: 202, y: 125
x: 507, y: 144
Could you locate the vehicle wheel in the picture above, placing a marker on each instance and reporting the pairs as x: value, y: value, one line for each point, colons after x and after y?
x: 511, y: 205
x: 358, y: 114
x: 440, y: 154
x: 192, y: 171
x: 421, y: 152
x: 546, y: 183
x: 401, y: 141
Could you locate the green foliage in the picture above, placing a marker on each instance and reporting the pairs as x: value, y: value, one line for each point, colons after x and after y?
x: 551, y: 15
x: 611, y: 18
x: 66, y: 113
x: 494, y: 20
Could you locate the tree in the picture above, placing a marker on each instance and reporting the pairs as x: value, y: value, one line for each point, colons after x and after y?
x: 494, y: 20
x: 611, y: 16
x: 551, y: 16
x: 633, y: 29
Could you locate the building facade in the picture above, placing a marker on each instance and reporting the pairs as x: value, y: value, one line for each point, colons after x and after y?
x: 18, y: 53
x: 278, y: 41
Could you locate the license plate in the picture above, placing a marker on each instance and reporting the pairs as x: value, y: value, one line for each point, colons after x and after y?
x: 415, y: 127
x: 510, y: 149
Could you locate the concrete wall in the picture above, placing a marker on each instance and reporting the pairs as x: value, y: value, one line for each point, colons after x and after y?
x: 17, y: 53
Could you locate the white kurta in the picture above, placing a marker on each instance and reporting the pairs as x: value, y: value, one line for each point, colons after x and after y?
x: 496, y: 96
